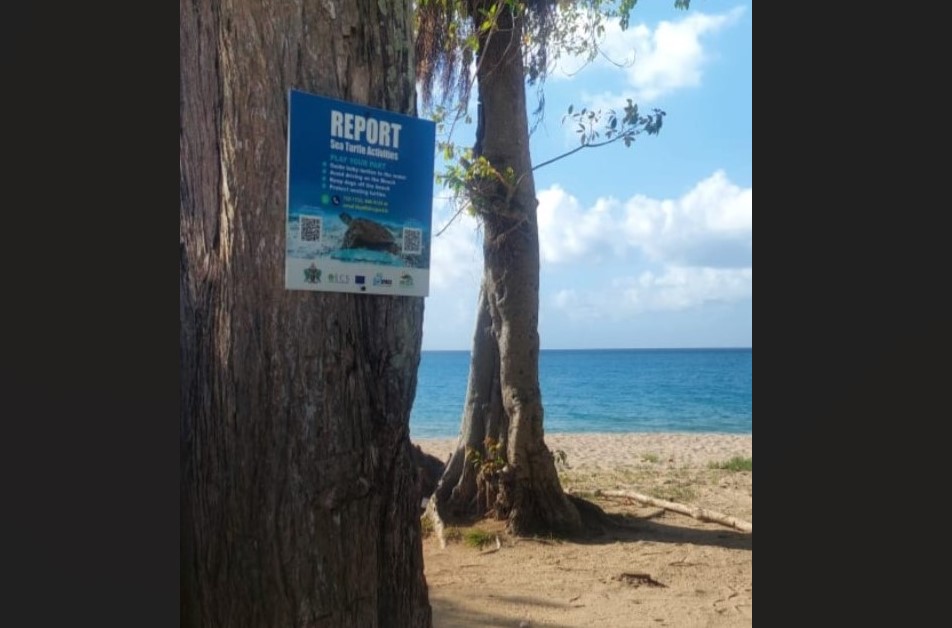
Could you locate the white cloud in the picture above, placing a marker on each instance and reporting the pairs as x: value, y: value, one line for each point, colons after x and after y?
x: 457, y: 256
x: 710, y: 226
x: 579, y: 306
x: 569, y: 233
x: 689, y: 251
x: 681, y: 288
x: 657, y: 61
x: 455, y: 274
x: 672, y: 290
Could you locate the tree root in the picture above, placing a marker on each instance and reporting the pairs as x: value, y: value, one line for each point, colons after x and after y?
x: 433, y: 514
x: 596, y: 521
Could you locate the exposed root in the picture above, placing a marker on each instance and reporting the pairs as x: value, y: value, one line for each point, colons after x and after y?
x: 596, y: 521
x: 434, y: 515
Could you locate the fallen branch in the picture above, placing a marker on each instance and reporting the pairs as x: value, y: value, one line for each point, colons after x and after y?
x: 700, y: 514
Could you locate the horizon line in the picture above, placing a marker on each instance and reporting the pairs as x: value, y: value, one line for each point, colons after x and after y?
x: 726, y: 348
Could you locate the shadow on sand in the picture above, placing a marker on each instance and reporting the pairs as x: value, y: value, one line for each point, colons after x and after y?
x: 452, y: 615
x: 614, y: 527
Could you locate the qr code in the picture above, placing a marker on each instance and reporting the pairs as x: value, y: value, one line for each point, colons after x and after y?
x: 311, y: 229
x: 412, y: 240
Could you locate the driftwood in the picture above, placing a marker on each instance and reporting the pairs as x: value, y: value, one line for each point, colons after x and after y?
x: 700, y: 514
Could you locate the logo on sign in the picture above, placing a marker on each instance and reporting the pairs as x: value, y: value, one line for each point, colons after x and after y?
x: 380, y: 280
x: 312, y: 274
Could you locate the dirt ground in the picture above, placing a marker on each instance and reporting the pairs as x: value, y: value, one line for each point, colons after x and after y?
x: 668, y: 569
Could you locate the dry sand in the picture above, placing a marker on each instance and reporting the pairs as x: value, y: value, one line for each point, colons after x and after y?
x: 700, y: 573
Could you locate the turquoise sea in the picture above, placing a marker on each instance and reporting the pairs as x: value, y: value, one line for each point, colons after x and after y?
x: 607, y: 390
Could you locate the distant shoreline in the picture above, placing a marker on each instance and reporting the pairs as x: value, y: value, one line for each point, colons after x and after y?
x: 597, y: 433
x: 599, y: 450
x: 613, y: 349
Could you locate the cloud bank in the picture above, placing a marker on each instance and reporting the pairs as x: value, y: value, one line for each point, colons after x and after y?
x: 709, y: 226
x: 650, y: 254
x: 657, y: 61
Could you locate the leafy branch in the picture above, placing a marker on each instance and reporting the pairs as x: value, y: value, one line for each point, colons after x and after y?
x: 451, y: 34
x: 494, y: 461
x: 475, y: 182
x: 625, y: 128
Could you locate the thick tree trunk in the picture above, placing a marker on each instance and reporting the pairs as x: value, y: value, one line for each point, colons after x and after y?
x: 505, y: 359
x: 300, y: 505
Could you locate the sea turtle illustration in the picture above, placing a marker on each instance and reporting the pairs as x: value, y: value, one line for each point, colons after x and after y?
x: 367, y: 234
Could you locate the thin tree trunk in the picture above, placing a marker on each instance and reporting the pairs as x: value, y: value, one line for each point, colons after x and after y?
x: 483, y: 415
x: 300, y: 504
x: 529, y: 493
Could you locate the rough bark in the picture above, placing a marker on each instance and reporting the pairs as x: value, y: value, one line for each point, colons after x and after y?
x: 300, y: 504
x: 505, y: 358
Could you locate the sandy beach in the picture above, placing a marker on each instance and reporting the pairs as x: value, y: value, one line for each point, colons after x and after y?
x: 669, y: 569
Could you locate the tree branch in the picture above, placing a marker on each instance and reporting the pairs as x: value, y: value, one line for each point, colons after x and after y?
x: 459, y: 211
x: 577, y: 149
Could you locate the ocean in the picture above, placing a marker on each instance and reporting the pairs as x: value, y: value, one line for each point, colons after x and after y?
x: 606, y: 390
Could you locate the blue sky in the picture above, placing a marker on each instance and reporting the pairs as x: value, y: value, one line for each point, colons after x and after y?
x: 647, y: 246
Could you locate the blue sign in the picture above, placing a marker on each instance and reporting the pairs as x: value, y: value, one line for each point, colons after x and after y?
x: 360, y: 198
